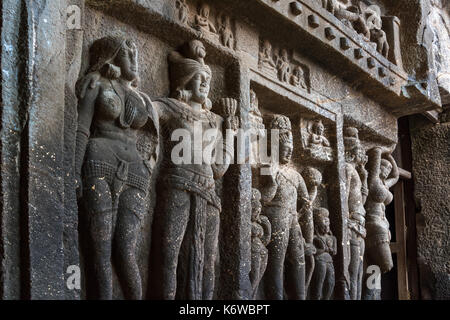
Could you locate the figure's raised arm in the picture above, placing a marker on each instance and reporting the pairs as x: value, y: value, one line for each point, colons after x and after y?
x: 87, y: 92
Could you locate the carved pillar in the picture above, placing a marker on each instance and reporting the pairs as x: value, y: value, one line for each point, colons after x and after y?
x: 392, y: 27
x: 43, y: 180
x: 236, y: 214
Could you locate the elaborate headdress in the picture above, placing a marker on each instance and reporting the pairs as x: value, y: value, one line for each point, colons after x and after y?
x: 103, y: 51
x: 184, y: 66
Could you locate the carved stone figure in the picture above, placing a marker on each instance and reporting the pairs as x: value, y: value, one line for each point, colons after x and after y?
x: 183, y: 10
x: 188, y: 223
x: 115, y: 177
x: 266, y: 57
x: 201, y: 20
x: 349, y: 14
x: 257, y: 126
x: 298, y: 78
x: 383, y: 174
x: 283, y: 66
x: 377, y: 35
x: 314, y: 142
x: 226, y: 34
x: 261, y: 232
x: 355, y: 197
x: 322, y: 284
x: 283, y: 192
x: 313, y: 179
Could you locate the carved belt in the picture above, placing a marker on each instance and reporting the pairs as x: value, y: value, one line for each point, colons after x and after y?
x: 100, y: 169
x: 197, y: 184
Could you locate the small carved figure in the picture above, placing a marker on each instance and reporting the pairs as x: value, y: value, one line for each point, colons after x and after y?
x: 187, y: 226
x: 351, y: 15
x: 257, y: 126
x: 313, y: 179
x: 298, y: 78
x: 266, y: 57
x: 201, y: 20
x: 261, y: 232
x: 316, y: 143
x: 322, y: 284
x: 226, y: 34
x: 283, y: 66
x: 114, y: 175
x: 377, y: 35
x: 383, y: 174
x: 283, y: 192
x: 355, y: 197
x: 183, y: 10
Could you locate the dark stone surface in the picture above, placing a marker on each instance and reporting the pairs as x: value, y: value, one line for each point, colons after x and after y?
x: 431, y: 158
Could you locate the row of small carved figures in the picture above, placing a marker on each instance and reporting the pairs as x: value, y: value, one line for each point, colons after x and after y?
x: 203, y: 25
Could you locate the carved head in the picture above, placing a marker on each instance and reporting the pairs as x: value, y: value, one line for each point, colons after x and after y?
x: 254, y: 103
x: 256, y: 204
x: 354, y: 151
x: 204, y: 11
x: 114, y: 57
x: 312, y: 176
x: 321, y: 221
x: 267, y: 48
x: 190, y: 77
x: 298, y: 71
x: 318, y: 128
x: 385, y: 169
x: 284, y: 55
x: 283, y: 124
x: 373, y: 17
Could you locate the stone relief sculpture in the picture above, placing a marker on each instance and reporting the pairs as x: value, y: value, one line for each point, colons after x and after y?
x: 113, y: 178
x: 256, y: 123
x: 364, y: 19
x: 313, y: 179
x: 383, y: 174
x: 201, y: 20
x: 188, y: 226
x: 314, y: 143
x: 283, y: 66
x: 283, y: 192
x: 376, y: 34
x: 183, y: 10
x: 322, y: 284
x: 261, y: 232
x: 266, y: 57
x: 298, y: 78
x: 355, y: 197
x: 226, y: 34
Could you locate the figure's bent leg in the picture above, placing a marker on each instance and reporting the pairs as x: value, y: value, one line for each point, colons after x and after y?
x: 174, y: 222
x: 132, y: 208
x: 296, y: 254
x: 211, y: 251
x: 99, y: 205
x: 328, y: 286
x: 318, y: 281
x: 273, y: 282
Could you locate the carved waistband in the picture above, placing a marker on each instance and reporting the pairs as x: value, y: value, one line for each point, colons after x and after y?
x: 100, y: 169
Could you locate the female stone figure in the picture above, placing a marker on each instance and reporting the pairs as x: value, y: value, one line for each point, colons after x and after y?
x: 322, y: 284
x: 282, y: 191
x: 355, y: 196
x: 261, y: 232
x: 114, y: 176
x: 187, y: 227
x: 284, y: 68
x: 383, y: 174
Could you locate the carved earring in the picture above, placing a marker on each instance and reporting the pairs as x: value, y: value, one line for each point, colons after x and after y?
x: 111, y: 71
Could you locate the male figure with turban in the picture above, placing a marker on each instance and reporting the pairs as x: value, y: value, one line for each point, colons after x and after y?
x: 186, y: 226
